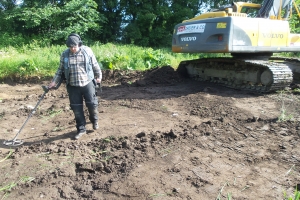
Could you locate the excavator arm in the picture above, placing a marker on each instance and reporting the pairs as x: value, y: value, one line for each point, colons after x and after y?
x: 273, y: 8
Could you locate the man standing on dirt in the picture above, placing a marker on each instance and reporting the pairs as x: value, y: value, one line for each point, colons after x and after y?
x: 82, y: 72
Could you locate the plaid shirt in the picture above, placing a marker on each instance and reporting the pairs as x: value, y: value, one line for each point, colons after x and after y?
x: 78, y: 75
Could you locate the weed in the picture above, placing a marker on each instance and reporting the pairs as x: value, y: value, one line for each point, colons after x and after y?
x: 109, y: 139
x: 106, y: 140
x: 289, y: 172
x: 7, y: 188
x: 2, y: 114
x: 221, y: 190
x: 296, y: 193
x: 246, y: 187
x: 93, y: 153
x: 296, y: 90
x: 45, y: 154
x: 52, y: 113
x: 106, y: 158
x: 284, y: 116
x: 26, y: 179
x: 9, y: 154
x: 164, y: 108
x: 296, y: 196
x: 158, y: 195
x: 58, y: 129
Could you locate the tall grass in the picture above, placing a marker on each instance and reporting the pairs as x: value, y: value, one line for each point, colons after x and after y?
x: 39, y: 60
x: 31, y: 60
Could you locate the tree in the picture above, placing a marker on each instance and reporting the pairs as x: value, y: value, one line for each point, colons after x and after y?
x: 112, y: 13
x: 55, y: 21
x: 151, y: 23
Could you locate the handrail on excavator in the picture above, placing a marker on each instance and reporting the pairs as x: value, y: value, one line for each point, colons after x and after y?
x: 295, y: 5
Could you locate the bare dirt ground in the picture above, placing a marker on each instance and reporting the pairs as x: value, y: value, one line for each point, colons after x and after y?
x: 160, y: 137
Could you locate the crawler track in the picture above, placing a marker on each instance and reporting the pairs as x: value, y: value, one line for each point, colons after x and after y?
x: 255, y: 75
x: 293, y: 64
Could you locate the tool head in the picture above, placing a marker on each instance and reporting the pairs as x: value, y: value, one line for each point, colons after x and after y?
x: 45, y: 88
x: 13, y: 143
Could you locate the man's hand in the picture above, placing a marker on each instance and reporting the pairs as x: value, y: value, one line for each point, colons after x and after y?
x: 98, y: 86
x: 52, y: 85
x: 98, y: 80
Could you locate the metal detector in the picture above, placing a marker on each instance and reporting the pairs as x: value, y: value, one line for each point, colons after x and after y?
x: 15, y: 141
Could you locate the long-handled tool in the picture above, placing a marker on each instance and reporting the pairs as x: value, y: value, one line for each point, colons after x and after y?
x: 98, y: 88
x: 15, y: 141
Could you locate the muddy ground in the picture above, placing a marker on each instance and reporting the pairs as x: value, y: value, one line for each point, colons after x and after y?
x: 160, y: 137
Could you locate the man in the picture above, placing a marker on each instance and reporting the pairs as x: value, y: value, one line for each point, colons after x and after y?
x: 82, y: 72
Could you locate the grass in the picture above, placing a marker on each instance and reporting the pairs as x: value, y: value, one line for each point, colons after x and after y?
x: 7, y: 188
x: 2, y: 114
x: 52, y: 114
x: 55, y: 129
x: 284, y: 114
x: 32, y: 61
x: 296, y: 196
x: 9, y: 154
x: 37, y: 61
x: 164, y: 108
x: 108, y: 139
x: 229, y: 195
x: 290, y: 170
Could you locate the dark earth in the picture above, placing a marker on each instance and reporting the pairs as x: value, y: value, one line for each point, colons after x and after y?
x: 161, y: 137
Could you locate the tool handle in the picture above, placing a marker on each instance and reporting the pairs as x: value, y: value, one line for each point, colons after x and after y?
x: 99, y: 87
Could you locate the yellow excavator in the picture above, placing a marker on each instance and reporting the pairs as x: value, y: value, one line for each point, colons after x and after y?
x: 251, y: 33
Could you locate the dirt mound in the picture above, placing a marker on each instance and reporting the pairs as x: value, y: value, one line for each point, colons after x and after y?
x: 160, y: 137
x: 158, y: 75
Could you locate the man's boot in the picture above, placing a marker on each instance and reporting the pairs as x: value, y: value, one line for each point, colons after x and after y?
x: 93, y: 116
x: 80, y: 120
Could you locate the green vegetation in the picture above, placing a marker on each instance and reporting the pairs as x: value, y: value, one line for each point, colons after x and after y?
x: 296, y: 196
x: 9, y: 154
x: 41, y: 62
x: 38, y: 60
x: 53, y: 113
x: 284, y: 115
x: 2, y: 114
x: 7, y: 188
x: 144, y: 23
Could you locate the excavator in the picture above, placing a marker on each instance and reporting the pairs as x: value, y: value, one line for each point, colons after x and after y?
x: 249, y: 34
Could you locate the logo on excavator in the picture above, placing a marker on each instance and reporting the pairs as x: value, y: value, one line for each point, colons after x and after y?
x: 191, y: 28
x: 272, y: 35
x: 187, y: 39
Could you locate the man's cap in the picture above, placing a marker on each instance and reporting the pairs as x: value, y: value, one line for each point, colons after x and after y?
x: 73, y: 40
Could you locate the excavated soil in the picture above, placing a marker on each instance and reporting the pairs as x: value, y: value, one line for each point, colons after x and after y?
x: 160, y: 137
